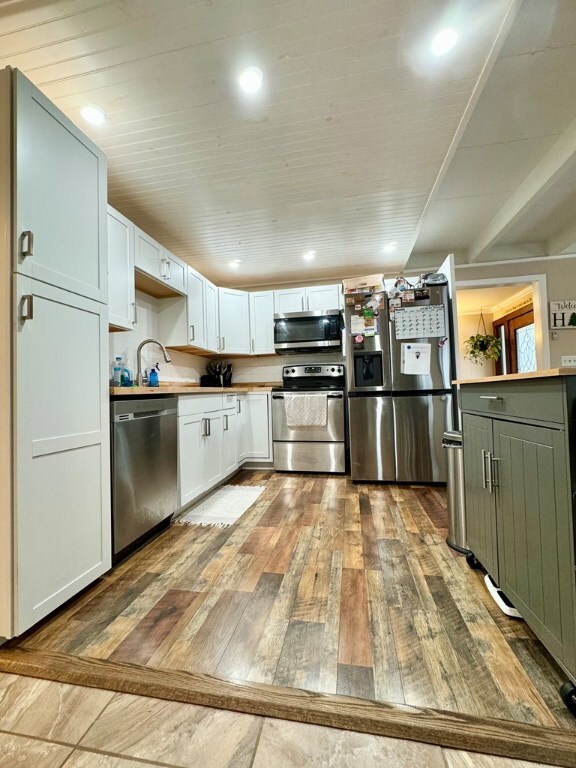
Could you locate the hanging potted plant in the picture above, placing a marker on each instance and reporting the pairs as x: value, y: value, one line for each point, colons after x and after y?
x: 482, y: 346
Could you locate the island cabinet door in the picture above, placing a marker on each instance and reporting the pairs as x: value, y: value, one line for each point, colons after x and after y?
x: 480, y: 496
x: 535, y: 531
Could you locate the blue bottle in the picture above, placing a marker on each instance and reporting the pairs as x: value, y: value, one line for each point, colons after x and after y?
x: 153, y: 380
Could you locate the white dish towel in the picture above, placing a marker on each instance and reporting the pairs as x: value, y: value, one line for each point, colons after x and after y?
x: 308, y: 409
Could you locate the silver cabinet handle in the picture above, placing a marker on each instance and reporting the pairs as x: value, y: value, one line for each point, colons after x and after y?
x: 163, y: 268
x: 302, y: 303
x: 484, y: 481
x: 308, y: 302
x: 225, y: 422
x: 223, y: 343
x: 204, y: 428
x: 27, y: 243
x: 209, y: 427
x: 490, y: 397
x: 490, y: 479
x: 169, y: 265
x: 238, y: 408
x: 27, y: 307
x: 192, y: 333
x: 493, y: 475
x: 135, y: 313
x: 252, y: 346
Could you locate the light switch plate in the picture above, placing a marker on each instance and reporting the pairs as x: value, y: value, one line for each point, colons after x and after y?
x: 568, y: 361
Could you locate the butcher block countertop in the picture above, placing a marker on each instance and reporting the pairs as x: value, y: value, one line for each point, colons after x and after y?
x: 175, y: 388
x: 519, y: 376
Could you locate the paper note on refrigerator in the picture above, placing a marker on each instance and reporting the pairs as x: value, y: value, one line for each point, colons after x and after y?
x: 415, y: 359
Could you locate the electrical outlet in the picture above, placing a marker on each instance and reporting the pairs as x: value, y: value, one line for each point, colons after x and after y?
x: 568, y: 361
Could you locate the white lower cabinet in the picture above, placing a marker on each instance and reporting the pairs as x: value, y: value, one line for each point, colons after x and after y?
x: 216, y: 433
x: 257, y: 427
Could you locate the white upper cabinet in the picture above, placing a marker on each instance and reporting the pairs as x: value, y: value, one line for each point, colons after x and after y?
x: 234, y: 314
x: 148, y: 255
x: 262, y: 323
x: 121, y: 291
x: 175, y: 272
x: 182, y: 320
x: 321, y: 297
x: 154, y: 260
x: 289, y: 300
x: 60, y: 227
x: 312, y: 298
x: 196, y: 310
x: 211, y: 320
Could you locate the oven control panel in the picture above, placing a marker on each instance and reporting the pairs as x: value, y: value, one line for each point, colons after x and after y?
x: 312, y: 371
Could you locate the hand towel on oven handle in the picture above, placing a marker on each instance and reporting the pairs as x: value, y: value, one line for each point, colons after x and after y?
x: 306, y: 409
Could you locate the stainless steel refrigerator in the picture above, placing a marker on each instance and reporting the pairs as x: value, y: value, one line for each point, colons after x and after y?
x: 399, y: 366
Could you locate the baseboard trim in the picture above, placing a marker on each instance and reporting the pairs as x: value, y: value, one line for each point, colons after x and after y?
x: 452, y: 730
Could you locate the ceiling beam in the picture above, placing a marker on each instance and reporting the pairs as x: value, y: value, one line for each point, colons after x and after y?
x: 540, y: 179
x: 563, y: 241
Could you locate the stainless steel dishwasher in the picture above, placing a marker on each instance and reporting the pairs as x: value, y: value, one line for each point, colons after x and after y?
x: 144, y: 469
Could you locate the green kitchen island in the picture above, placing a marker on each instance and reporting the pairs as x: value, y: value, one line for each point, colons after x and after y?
x: 519, y: 442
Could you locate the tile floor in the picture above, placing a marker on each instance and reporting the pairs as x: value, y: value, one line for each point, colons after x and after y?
x: 53, y: 725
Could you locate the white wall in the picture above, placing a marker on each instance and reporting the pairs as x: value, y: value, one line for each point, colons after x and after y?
x: 269, y: 369
x: 183, y: 367
x: 468, y: 326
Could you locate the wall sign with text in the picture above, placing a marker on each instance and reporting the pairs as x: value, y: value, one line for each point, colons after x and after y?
x: 562, y: 315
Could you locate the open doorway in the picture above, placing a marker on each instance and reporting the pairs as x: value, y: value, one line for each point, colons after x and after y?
x: 514, y: 310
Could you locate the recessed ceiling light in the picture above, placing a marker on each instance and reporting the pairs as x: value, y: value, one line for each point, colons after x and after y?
x: 444, y: 41
x: 234, y: 264
x: 93, y: 115
x: 309, y: 255
x: 389, y: 247
x: 251, y: 79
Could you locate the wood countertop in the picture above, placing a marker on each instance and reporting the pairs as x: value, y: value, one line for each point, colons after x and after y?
x: 176, y: 388
x: 546, y: 374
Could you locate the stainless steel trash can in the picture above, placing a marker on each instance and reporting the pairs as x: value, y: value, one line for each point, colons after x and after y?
x: 456, y: 519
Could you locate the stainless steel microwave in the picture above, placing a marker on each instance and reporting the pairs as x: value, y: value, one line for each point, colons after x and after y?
x: 318, y: 331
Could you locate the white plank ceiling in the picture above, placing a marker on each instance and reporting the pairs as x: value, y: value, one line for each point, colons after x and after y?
x: 360, y: 135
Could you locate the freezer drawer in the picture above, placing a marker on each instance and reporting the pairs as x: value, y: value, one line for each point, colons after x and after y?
x: 372, y: 438
x: 419, y: 425
x: 309, y: 457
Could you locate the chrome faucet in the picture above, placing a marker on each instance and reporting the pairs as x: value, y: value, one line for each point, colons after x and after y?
x: 139, y: 377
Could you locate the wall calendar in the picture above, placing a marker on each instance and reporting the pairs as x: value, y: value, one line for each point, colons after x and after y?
x: 420, y: 322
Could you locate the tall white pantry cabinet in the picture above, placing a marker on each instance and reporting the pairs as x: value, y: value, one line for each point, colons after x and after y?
x: 54, y: 429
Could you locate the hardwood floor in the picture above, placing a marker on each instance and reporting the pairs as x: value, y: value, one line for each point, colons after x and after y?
x: 322, y: 585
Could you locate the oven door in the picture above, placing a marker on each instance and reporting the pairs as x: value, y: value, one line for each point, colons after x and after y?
x: 333, y: 431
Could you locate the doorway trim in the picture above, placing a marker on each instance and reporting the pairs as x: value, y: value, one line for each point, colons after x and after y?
x: 539, y: 300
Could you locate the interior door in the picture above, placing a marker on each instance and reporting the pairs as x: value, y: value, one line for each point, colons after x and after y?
x: 62, y: 502
x: 61, y: 193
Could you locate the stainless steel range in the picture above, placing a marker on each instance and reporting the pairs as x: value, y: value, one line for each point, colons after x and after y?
x: 309, y: 419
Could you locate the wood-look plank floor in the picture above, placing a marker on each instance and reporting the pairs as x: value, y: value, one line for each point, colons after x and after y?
x: 322, y: 585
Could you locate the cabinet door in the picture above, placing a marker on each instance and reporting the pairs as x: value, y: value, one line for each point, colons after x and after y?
x: 121, y: 291
x: 60, y: 226
x: 289, y: 300
x: 229, y: 441
x: 62, y: 497
x: 211, y: 317
x: 191, y: 445
x: 196, y: 314
x: 175, y: 272
x: 257, y: 426
x: 535, y: 532
x: 480, y: 502
x: 262, y: 323
x: 234, y: 314
x: 212, y: 454
x: 241, y: 427
x: 149, y: 255
x: 320, y: 297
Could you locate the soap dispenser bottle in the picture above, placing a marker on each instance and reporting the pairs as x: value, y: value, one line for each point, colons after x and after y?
x: 153, y: 380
